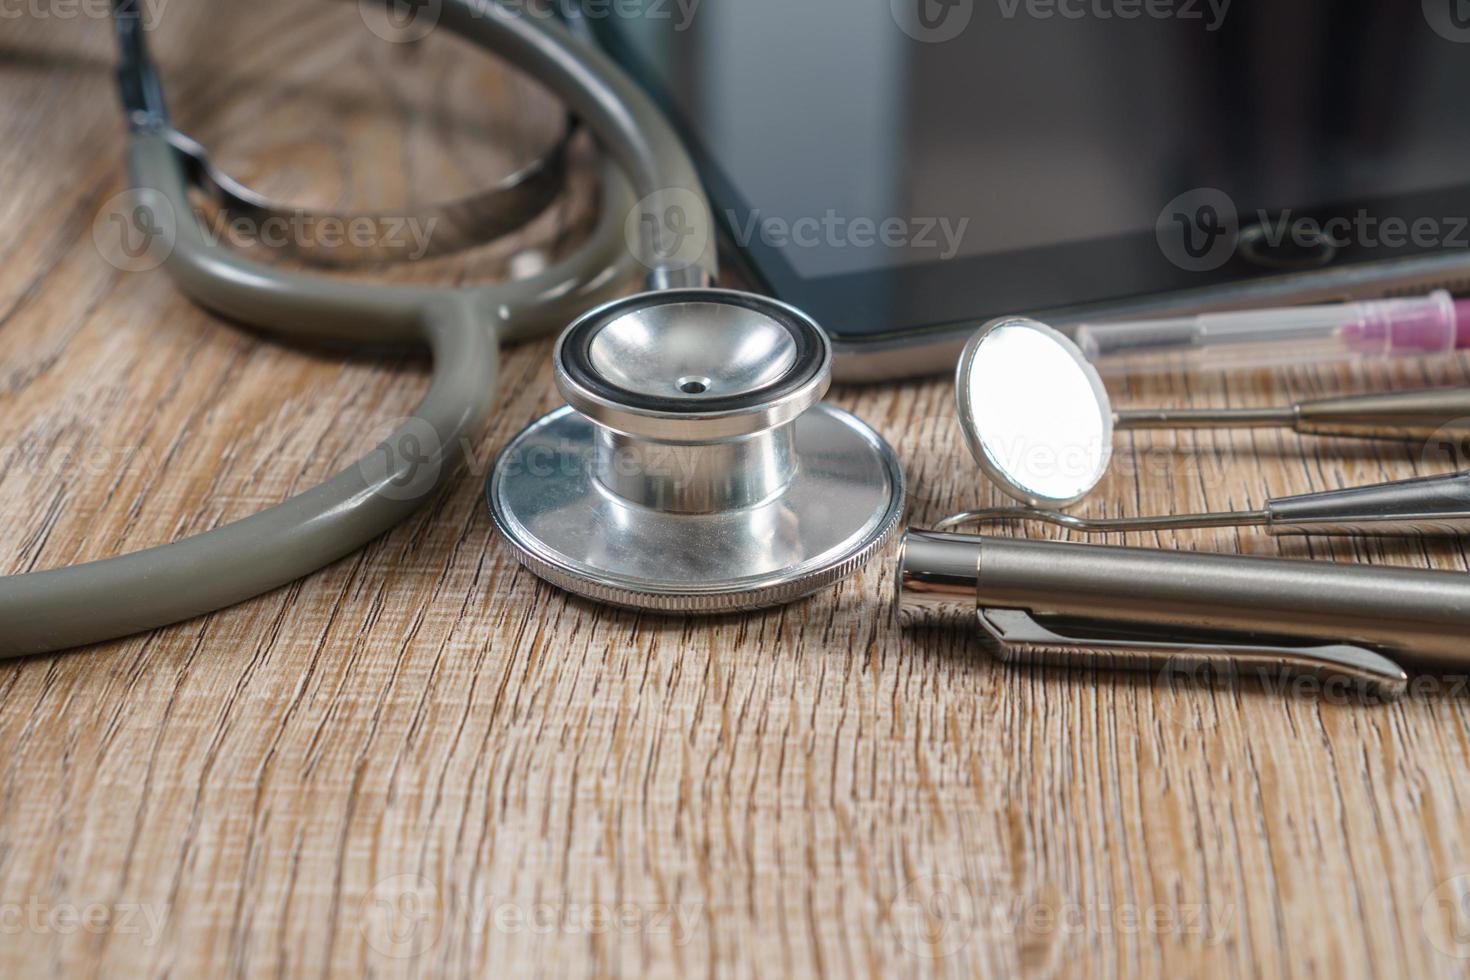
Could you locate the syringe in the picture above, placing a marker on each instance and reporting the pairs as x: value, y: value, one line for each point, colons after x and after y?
x: 1418, y: 327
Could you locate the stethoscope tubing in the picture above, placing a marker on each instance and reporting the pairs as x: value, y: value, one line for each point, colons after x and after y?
x: 89, y: 603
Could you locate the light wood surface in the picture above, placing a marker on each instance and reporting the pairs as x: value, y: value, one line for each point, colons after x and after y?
x: 424, y: 762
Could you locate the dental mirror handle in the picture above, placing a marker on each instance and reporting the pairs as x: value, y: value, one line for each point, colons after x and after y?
x: 1428, y: 507
x: 1436, y: 505
x: 1068, y: 603
x: 1432, y: 413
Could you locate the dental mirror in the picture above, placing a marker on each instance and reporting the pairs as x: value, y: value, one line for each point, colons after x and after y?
x: 1034, y: 412
x: 1039, y: 423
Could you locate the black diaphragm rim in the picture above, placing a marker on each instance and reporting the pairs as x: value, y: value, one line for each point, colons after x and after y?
x: 576, y: 360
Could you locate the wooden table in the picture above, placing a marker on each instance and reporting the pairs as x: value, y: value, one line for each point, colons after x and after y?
x: 422, y: 761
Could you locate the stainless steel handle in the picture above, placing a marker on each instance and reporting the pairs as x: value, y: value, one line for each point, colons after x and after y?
x: 1437, y: 505
x: 1399, y: 415
x: 1418, y: 617
x: 1023, y: 640
x: 1427, y: 507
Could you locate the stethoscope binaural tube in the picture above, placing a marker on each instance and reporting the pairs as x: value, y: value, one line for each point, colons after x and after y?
x: 89, y: 603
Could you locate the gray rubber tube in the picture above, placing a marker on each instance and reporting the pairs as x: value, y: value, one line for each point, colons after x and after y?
x: 68, y: 607
x: 627, y: 123
x: 62, y: 608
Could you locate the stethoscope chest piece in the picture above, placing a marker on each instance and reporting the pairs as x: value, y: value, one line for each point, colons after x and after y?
x: 695, y: 468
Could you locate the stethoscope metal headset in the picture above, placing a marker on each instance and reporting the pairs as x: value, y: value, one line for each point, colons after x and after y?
x: 712, y: 477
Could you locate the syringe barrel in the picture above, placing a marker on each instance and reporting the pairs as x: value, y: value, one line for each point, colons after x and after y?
x: 1274, y: 338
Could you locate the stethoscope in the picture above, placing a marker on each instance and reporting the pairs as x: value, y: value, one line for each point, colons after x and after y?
x: 694, y: 470
x: 695, y: 467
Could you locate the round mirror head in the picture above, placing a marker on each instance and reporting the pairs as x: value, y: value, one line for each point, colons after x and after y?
x: 1034, y: 412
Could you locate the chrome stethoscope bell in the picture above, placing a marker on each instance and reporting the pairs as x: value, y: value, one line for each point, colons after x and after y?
x: 695, y: 468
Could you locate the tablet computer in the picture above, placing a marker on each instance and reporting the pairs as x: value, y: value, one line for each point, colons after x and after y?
x: 905, y: 170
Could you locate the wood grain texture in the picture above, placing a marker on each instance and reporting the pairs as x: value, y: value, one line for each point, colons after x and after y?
x: 423, y: 762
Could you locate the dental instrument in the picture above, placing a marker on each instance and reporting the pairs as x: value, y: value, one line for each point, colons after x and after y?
x: 1039, y: 422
